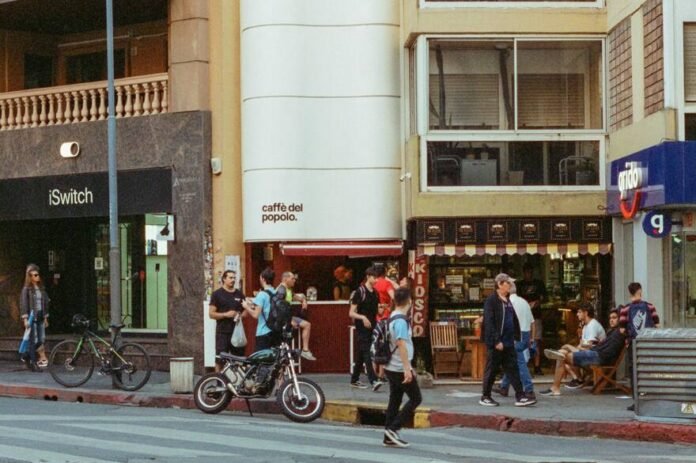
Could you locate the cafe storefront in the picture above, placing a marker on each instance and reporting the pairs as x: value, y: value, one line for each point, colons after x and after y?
x: 456, y: 260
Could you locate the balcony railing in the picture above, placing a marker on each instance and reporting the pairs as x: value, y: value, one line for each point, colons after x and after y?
x: 70, y: 104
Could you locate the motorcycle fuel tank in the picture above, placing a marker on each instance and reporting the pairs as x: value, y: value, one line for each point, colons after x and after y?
x: 262, y: 356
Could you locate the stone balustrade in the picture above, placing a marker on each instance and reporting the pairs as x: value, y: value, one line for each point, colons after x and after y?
x: 70, y: 104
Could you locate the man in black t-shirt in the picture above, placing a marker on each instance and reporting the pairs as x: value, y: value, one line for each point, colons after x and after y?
x: 530, y: 288
x: 225, y: 305
x: 363, y: 310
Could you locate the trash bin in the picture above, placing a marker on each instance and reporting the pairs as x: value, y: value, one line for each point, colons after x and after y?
x: 665, y: 373
x: 181, y: 374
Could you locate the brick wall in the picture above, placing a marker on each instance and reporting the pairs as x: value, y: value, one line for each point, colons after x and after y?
x: 620, y: 76
x: 653, y: 56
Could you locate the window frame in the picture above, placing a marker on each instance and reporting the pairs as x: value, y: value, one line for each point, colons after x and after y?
x: 422, y: 50
x: 435, y: 4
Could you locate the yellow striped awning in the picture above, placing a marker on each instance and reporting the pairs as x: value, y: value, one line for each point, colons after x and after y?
x: 519, y: 248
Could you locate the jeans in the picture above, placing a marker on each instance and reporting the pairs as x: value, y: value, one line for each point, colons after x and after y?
x: 507, y: 358
x: 395, y: 418
x: 363, y: 357
x: 525, y: 377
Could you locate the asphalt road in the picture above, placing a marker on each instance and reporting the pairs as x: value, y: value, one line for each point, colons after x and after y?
x: 58, y: 432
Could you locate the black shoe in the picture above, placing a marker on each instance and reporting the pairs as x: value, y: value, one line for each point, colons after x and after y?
x: 388, y: 443
x: 395, y: 439
x: 376, y: 385
x: 631, y: 408
x: 488, y: 401
x: 574, y: 384
x: 500, y: 391
x: 530, y: 395
x: 358, y: 385
x: 524, y: 401
x: 549, y: 392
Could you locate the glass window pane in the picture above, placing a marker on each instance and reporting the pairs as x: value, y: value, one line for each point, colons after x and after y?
x: 471, y: 85
x: 528, y: 163
x: 559, y: 85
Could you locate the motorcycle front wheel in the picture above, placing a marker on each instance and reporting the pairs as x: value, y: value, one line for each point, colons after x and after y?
x: 211, y: 394
x: 302, y: 408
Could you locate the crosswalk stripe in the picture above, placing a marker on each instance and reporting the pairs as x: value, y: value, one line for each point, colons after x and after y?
x: 254, y: 443
x: 30, y: 454
x: 110, y: 444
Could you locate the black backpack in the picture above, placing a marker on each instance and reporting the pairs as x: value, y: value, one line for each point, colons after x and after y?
x: 381, y: 340
x: 280, y: 313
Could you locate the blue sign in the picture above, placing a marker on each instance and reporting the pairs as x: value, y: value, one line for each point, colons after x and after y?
x: 658, y: 176
x: 657, y: 224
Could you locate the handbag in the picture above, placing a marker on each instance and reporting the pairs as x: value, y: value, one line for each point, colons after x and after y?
x: 238, y: 336
x: 24, y: 344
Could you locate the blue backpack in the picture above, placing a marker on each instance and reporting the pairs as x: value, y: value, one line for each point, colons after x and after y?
x: 639, y: 318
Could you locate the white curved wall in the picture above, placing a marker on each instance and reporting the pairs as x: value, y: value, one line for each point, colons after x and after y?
x: 321, y: 119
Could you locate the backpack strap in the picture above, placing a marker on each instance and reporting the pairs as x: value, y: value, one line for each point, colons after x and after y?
x: 270, y: 302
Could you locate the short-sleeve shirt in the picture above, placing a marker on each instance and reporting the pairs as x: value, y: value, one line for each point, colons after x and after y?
x: 382, y: 286
x: 263, y: 300
x: 224, y: 301
x: 399, y: 329
x: 593, y: 332
x: 366, y: 302
x: 523, y: 311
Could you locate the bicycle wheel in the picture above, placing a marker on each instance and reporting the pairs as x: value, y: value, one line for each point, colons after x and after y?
x: 135, y: 372
x: 71, y: 367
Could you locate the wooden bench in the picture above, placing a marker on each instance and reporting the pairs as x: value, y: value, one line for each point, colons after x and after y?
x: 604, y: 376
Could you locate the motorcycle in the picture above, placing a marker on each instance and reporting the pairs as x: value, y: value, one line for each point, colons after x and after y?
x: 256, y: 377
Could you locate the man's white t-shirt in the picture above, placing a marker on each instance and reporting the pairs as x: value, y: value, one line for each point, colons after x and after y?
x: 593, y: 332
x: 523, y: 312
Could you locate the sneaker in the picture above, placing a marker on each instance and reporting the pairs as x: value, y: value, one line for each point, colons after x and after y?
x: 358, y: 385
x: 500, y: 391
x: 395, y: 439
x: 376, y: 385
x: 488, y: 402
x: 524, y: 401
x: 574, y: 384
x: 308, y: 355
x: 631, y: 408
x: 553, y: 354
x: 549, y: 392
x: 387, y: 442
x: 530, y: 395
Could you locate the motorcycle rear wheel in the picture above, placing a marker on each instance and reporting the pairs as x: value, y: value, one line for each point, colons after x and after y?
x: 211, y: 394
x: 305, y: 408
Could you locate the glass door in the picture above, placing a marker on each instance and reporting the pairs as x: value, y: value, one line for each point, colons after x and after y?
x: 683, y: 267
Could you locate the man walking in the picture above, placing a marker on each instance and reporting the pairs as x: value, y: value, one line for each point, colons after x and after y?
x: 524, y: 315
x: 363, y: 310
x: 225, y: 307
x: 634, y: 317
x: 501, y: 328
x: 402, y: 379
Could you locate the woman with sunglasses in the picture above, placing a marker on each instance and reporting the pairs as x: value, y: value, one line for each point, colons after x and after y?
x: 34, y: 300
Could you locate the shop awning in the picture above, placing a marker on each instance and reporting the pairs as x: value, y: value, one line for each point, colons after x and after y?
x: 344, y: 248
x: 518, y: 248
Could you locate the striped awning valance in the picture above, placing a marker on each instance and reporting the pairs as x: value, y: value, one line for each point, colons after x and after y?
x: 519, y: 248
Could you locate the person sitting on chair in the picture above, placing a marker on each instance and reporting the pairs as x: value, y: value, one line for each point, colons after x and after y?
x: 604, y: 353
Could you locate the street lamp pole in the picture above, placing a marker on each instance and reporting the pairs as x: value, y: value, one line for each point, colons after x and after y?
x: 114, y: 252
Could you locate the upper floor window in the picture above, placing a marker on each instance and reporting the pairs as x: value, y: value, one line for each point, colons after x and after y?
x: 515, y: 85
x: 510, y: 112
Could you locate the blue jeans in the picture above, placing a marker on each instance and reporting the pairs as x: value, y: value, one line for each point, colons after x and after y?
x: 525, y: 377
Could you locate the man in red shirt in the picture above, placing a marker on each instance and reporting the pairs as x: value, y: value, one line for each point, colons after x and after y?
x: 385, y: 291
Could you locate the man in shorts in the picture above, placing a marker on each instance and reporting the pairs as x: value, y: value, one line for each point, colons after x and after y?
x: 284, y: 290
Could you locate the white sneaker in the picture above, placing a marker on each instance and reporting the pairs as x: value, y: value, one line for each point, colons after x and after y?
x: 553, y: 354
x: 395, y: 439
x: 307, y: 355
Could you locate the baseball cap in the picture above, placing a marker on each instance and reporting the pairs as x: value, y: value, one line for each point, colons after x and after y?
x: 502, y: 277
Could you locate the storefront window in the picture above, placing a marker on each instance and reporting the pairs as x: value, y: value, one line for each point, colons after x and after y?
x: 513, y: 163
x: 683, y: 256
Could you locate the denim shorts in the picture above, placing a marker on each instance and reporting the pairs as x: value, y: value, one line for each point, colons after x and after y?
x: 585, y: 358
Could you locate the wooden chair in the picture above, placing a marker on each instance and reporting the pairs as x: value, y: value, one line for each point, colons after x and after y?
x: 444, y: 346
x: 604, y: 376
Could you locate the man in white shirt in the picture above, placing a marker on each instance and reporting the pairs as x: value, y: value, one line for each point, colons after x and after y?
x: 525, y: 317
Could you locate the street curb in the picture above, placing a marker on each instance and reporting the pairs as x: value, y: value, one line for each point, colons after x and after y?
x: 353, y: 412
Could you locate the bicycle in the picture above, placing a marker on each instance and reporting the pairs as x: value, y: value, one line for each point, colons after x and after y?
x: 72, y: 362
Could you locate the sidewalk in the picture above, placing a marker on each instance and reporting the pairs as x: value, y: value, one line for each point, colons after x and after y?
x: 575, y: 413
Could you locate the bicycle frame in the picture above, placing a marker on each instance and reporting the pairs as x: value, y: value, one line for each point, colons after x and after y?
x: 90, y: 336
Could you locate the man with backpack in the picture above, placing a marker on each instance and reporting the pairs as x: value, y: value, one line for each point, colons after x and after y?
x: 363, y: 310
x: 634, y: 317
x: 402, y: 378
x: 264, y: 308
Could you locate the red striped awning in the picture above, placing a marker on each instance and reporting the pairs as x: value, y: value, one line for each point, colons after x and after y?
x: 344, y: 248
x: 520, y: 248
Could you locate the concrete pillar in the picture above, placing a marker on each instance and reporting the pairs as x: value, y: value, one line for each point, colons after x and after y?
x: 189, y: 55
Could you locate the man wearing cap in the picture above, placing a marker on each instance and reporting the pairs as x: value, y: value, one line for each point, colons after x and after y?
x: 501, y: 329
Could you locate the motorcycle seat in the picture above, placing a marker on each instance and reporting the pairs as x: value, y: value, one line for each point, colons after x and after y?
x: 236, y: 358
